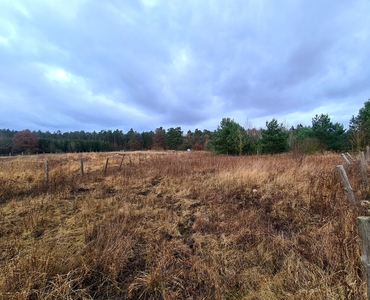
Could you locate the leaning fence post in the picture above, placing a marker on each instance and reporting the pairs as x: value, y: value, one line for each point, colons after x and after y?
x: 46, y: 171
x: 364, y: 169
x: 346, y: 185
x: 106, y: 166
x: 350, y: 156
x: 346, y: 159
x: 82, y: 167
x: 364, y: 229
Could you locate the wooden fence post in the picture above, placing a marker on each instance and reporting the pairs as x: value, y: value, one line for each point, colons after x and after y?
x: 363, y: 165
x: 46, y: 171
x: 346, y: 159
x: 346, y: 184
x: 367, y: 153
x: 364, y: 229
x: 106, y: 166
x: 82, y: 167
x: 350, y: 156
x: 120, y: 166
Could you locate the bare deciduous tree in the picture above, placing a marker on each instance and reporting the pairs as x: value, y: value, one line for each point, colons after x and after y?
x: 25, y: 140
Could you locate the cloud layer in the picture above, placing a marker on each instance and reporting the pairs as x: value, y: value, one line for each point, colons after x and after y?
x: 92, y: 65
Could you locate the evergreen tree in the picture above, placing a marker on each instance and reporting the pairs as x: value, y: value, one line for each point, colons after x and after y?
x: 6, y: 141
x: 174, y: 138
x: 330, y: 136
x: 274, y: 137
x: 147, y: 138
x: 359, y: 127
x: 159, y: 141
x: 135, y: 140
x: 230, y: 138
x: 301, y: 140
x: 321, y: 128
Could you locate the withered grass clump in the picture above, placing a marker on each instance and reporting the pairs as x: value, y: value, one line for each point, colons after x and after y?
x: 161, y: 225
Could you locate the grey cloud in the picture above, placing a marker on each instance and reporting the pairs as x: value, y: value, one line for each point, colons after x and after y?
x: 304, y: 62
x: 181, y: 64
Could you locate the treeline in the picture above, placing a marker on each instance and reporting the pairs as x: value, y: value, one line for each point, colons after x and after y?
x: 323, y: 135
x: 106, y: 140
x: 229, y: 138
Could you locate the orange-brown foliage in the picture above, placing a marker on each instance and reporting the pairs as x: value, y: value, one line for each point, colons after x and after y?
x: 197, y: 147
x: 25, y: 140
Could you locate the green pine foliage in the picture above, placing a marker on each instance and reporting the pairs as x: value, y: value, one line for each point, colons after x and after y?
x: 301, y: 140
x: 331, y: 136
x: 274, y: 138
x: 174, y: 138
x: 359, y: 128
x: 230, y: 138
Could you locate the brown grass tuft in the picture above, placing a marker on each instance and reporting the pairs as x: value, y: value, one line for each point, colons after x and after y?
x: 161, y: 225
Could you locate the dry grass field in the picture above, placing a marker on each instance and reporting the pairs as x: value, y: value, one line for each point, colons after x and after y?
x: 167, y: 225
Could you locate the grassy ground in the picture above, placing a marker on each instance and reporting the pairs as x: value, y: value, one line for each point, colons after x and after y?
x: 178, y: 226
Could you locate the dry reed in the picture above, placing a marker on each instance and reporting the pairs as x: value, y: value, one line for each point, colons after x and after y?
x: 160, y: 225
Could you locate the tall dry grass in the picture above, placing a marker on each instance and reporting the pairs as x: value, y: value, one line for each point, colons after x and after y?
x: 179, y: 226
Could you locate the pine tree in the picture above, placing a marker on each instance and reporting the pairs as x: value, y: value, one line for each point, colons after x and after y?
x: 274, y: 137
x: 230, y: 138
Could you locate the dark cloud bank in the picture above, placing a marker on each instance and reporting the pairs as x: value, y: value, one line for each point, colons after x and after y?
x: 92, y: 65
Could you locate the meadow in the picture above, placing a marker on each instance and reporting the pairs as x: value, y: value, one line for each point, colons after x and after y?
x: 179, y: 225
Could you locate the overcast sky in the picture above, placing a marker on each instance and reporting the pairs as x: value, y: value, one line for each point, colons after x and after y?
x: 119, y: 64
